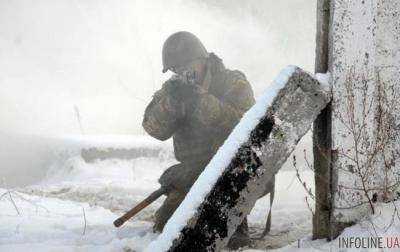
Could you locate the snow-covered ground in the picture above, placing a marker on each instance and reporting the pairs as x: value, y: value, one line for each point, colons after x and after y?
x: 37, y: 223
x: 73, y: 207
x: 49, y: 217
x: 384, y: 225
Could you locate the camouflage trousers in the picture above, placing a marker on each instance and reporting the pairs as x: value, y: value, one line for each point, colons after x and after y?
x: 178, y: 179
x: 171, y: 203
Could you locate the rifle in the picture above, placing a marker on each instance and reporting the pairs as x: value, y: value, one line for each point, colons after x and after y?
x: 147, y: 201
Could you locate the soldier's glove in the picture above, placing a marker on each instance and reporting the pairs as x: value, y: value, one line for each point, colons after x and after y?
x: 179, y: 177
x: 179, y: 87
x: 168, y: 100
x: 184, y: 92
x: 173, y: 85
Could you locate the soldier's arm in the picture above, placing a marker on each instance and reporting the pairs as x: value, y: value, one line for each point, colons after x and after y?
x: 162, y: 115
x: 225, y: 113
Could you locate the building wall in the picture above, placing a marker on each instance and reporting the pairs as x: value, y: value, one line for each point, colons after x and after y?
x: 364, y: 65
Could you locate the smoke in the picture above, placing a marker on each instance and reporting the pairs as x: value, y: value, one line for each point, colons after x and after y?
x: 72, y: 66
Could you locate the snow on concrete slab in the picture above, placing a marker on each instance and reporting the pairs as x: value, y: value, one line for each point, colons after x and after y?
x: 324, y: 79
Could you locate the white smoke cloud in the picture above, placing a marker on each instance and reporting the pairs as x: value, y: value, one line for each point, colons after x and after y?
x: 104, y: 57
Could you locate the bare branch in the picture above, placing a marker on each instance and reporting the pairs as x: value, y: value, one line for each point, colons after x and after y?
x: 84, y: 218
x: 13, y: 202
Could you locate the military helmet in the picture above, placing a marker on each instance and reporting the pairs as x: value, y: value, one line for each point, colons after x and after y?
x: 181, y: 48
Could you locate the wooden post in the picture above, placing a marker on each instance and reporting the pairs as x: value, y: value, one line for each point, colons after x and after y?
x: 322, y: 131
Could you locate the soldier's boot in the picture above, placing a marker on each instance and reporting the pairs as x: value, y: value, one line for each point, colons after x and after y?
x: 241, y: 237
x: 169, y: 206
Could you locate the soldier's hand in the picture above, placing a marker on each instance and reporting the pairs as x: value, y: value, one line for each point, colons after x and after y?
x: 180, y: 177
x: 173, y: 85
x: 182, y: 97
x: 178, y: 88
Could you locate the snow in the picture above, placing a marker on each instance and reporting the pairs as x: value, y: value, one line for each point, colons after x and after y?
x: 51, y: 216
x: 214, y: 169
x: 324, y: 80
x: 51, y: 212
x: 50, y: 209
x: 385, y: 225
x: 26, y: 159
x: 114, y: 141
x: 48, y: 224
x: 113, y: 184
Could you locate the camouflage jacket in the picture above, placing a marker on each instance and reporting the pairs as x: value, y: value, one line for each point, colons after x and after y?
x: 199, y: 122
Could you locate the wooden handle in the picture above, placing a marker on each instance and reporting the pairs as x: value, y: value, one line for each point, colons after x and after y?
x: 147, y: 201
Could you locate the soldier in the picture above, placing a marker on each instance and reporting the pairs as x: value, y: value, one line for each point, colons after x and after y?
x: 198, y: 107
